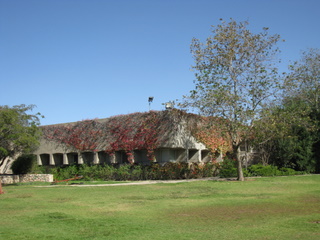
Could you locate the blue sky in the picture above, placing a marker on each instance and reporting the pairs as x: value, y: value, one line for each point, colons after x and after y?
x: 85, y: 59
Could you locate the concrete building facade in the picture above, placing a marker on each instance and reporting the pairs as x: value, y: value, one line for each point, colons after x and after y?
x: 173, y: 131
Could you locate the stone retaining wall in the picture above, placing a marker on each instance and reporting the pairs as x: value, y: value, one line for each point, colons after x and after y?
x: 11, y: 178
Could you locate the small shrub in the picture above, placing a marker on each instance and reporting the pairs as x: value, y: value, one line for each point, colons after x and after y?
x: 67, y: 172
x: 43, y: 170
x: 107, y: 172
x: 269, y: 170
x: 25, y: 164
x: 92, y: 172
x: 260, y: 170
x: 122, y: 173
x: 290, y: 171
x: 153, y: 172
x: 208, y: 169
x: 228, y: 168
x: 137, y: 173
x: 174, y: 170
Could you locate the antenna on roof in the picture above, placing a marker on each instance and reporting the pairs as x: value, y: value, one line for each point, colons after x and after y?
x: 150, y: 100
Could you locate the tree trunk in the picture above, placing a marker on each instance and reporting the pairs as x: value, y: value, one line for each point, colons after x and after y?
x: 4, y: 165
x: 239, y: 164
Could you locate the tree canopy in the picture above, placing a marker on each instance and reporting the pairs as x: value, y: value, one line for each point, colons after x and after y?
x: 299, y: 148
x: 236, y: 77
x: 303, y: 80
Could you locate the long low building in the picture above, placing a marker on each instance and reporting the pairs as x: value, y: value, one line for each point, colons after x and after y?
x: 138, y: 138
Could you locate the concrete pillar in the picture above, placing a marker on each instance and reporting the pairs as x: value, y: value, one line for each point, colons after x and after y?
x: 199, y: 156
x: 131, y: 154
x: 80, y: 158
x: 112, y: 158
x: 96, y: 159
x: 65, y: 159
x: 39, y: 159
x: 187, y: 154
x: 51, y: 159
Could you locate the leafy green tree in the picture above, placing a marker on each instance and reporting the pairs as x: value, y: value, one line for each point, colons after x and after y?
x: 19, y: 133
x: 295, y: 150
x: 302, y: 86
x: 235, y: 78
x: 303, y: 81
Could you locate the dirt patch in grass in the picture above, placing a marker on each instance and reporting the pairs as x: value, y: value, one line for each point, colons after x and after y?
x: 309, y: 199
x: 25, y: 195
x: 318, y: 221
x: 247, y: 211
x: 61, y: 200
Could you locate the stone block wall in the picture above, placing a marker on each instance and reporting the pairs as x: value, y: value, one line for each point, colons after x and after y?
x: 23, y: 178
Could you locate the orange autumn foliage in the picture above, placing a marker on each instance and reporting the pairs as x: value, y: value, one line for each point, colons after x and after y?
x: 213, y: 137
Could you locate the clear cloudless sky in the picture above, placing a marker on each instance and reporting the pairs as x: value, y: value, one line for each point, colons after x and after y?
x: 86, y: 59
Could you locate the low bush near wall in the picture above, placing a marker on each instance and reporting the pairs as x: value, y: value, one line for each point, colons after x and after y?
x: 27, y: 164
x: 167, y: 171
x: 24, y: 164
x: 269, y: 170
x: 228, y: 169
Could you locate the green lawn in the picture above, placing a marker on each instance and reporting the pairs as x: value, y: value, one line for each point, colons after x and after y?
x: 260, y: 208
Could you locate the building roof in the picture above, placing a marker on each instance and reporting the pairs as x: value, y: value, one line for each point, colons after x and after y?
x: 148, y: 130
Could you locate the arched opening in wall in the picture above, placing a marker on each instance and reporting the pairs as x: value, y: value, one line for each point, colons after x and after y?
x: 218, y: 157
x: 72, y: 158
x: 158, y: 155
x: 121, y: 157
x: 205, y: 156
x: 58, y: 159
x: 45, y: 159
x: 88, y: 158
x: 164, y: 155
x: 180, y: 155
x: 140, y: 156
x: 193, y: 155
x: 103, y: 158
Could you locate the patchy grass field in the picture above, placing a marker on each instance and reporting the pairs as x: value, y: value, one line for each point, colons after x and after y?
x: 260, y: 208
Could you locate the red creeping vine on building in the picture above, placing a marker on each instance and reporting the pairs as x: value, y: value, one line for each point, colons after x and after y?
x: 128, y: 133
x: 80, y: 136
x: 137, y: 131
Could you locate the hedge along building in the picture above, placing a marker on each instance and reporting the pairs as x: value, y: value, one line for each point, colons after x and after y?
x: 138, y: 138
